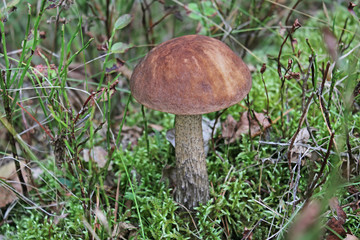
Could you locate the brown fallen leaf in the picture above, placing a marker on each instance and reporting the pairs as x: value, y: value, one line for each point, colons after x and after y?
x: 336, y: 223
x: 98, y: 155
x: 232, y: 130
x: 124, y: 230
x: 298, y: 151
x: 350, y: 237
x: 247, y: 234
x: 9, y: 175
x: 130, y: 135
x: 156, y: 127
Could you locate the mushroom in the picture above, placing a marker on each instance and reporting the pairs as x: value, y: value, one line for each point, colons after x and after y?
x: 190, y: 76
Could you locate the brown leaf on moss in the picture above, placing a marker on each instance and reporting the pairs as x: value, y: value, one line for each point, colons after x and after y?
x: 299, y: 150
x: 232, y: 130
x: 96, y: 154
x: 12, y: 185
x: 124, y: 230
x: 336, y: 223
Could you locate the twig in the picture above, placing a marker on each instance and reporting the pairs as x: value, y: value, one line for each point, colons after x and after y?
x: 249, y: 120
x: 302, y: 119
x: 313, y: 185
x: 304, y: 86
x: 117, y: 198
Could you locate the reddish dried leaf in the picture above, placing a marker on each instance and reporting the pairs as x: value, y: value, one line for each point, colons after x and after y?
x: 248, y: 234
x: 232, y: 130
x: 229, y: 129
x: 336, y: 223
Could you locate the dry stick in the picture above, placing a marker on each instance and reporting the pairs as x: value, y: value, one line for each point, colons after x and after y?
x: 349, y: 43
x: 304, y: 86
x: 311, y: 134
x: 287, y: 21
x: 342, y: 31
x: 302, y: 119
x: 168, y: 13
x: 249, y: 120
x: 93, y: 97
x: 345, y: 47
x: 262, y: 70
x: 350, y: 158
x: 117, y: 198
x: 295, y: 26
x: 324, y: 111
x: 108, y: 20
x: 146, y: 9
x: 252, y: 229
x: 313, y: 185
x: 57, y: 21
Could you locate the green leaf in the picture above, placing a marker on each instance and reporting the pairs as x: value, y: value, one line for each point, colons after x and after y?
x: 193, y: 7
x: 208, y: 9
x: 120, y: 47
x: 122, y: 21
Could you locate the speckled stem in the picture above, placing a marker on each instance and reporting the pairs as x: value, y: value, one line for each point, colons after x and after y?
x: 192, y: 184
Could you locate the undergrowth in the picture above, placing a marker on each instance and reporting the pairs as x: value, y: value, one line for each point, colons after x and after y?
x: 106, y: 166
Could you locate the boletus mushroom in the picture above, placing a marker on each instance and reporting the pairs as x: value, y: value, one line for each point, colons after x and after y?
x: 190, y: 76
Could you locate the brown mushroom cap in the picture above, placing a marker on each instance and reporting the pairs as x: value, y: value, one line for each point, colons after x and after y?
x: 190, y: 75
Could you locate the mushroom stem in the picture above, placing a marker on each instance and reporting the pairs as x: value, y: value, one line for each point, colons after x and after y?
x: 192, y: 184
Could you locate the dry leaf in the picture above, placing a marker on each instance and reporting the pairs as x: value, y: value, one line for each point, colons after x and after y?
x: 156, y: 127
x: 123, y: 229
x: 336, y: 223
x: 58, y: 218
x: 247, y: 234
x: 102, y: 219
x: 298, y: 151
x: 130, y: 135
x: 8, y: 174
x: 233, y: 130
x: 229, y: 129
x: 98, y: 155
x: 350, y: 237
